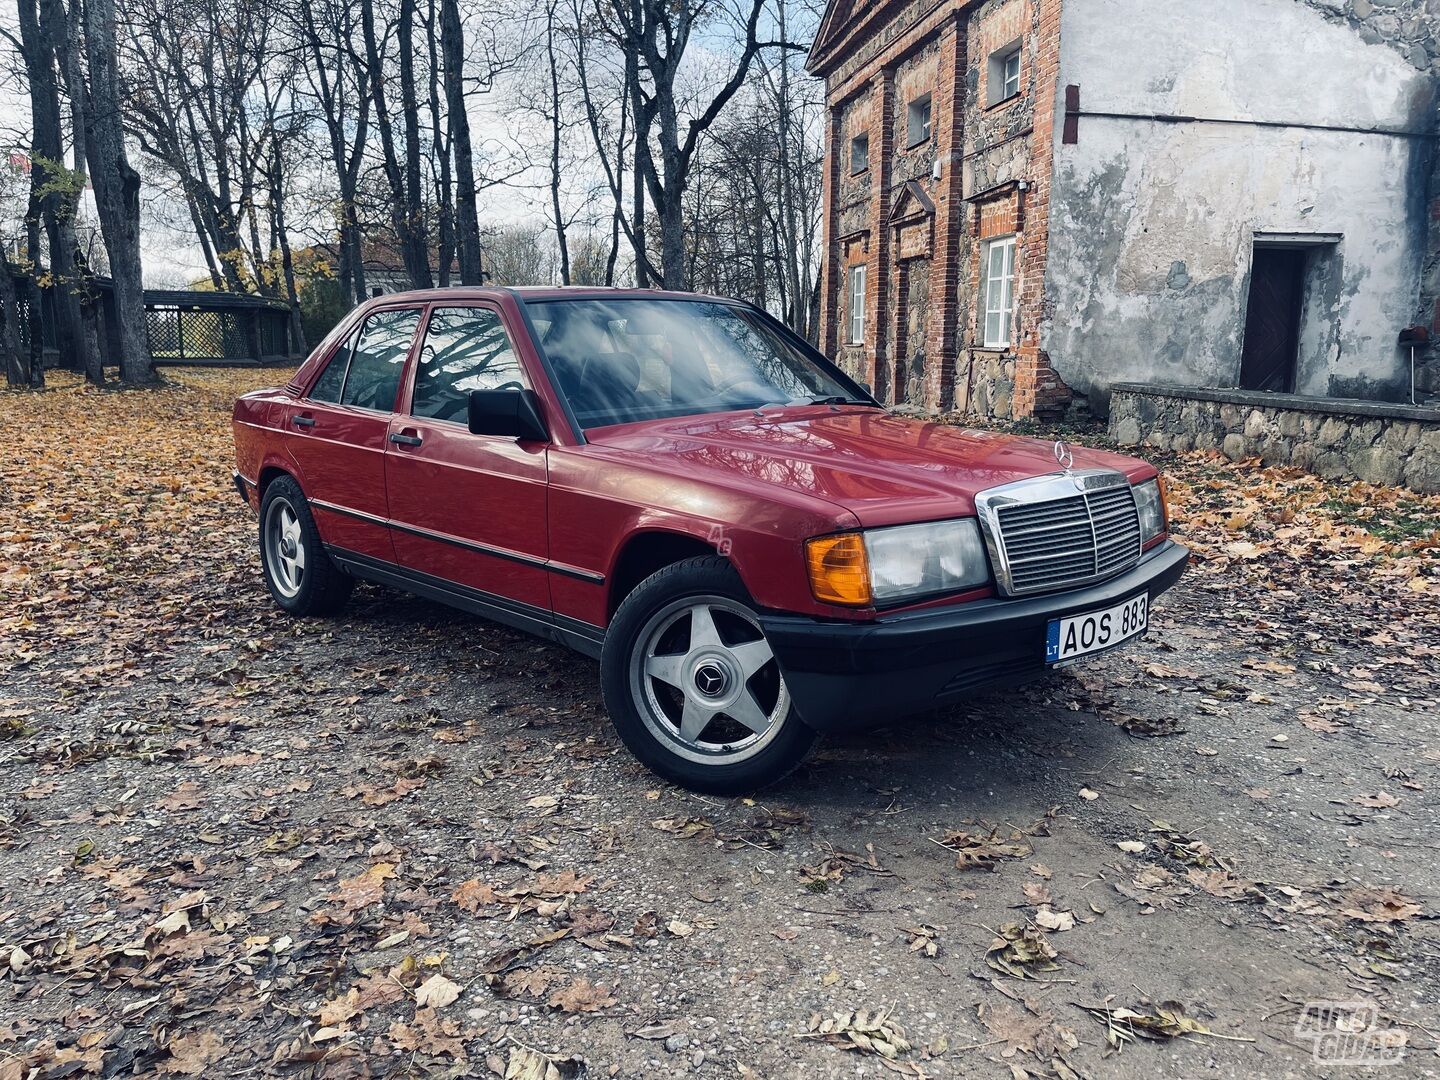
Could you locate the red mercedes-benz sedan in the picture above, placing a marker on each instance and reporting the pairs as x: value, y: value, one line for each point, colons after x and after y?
x: 755, y: 550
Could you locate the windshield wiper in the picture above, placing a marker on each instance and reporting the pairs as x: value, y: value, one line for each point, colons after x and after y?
x: 832, y: 399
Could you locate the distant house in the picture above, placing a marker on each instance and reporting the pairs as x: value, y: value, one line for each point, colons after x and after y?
x: 1031, y: 201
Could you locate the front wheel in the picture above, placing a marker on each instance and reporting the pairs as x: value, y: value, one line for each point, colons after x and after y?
x: 692, y: 684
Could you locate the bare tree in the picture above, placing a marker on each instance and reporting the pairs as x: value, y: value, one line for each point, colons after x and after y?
x: 406, y: 215
x: 608, y: 121
x: 117, y: 189
x: 658, y: 34
x: 467, y: 221
x: 340, y: 84
x: 519, y: 255
x: 46, y: 46
x: 12, y: 350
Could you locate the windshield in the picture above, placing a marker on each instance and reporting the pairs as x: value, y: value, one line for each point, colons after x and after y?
x: 622, y: 360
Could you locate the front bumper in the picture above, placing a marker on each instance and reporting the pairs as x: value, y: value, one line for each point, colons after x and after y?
x: 846, y: 675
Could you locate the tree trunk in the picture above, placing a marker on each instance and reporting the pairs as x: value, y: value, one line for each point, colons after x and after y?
x: 440, y: 153
x: 35, y: 328
x: 400, y: 220
x: 46, y: 46
x: 12, y: 350
x: 330, y: 91
x: 467, y: 218
x: 117, y: 191
x: 555, y: 132
x: 415, y: 240
x: 74, y: 68
x: 637, y: 185
x: 287, y: 259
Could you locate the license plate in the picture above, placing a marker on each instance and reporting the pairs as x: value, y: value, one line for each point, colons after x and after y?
x: 1076, y: 635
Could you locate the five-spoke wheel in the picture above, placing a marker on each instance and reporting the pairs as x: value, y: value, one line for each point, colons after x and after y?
x: 298, y: 572
x: 286, y: 545
x: 693, y: 686
x: 708, y: 680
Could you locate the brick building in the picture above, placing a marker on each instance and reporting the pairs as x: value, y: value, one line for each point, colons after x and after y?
x: 1027, y: 201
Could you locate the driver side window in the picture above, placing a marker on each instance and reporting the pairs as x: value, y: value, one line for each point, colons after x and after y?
x: 465, y: 349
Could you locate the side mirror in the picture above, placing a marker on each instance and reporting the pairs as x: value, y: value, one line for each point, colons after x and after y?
x: 514, y: 413
x: 866, y: 387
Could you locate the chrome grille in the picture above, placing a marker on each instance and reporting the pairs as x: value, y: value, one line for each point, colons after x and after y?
x: 1059, y: 532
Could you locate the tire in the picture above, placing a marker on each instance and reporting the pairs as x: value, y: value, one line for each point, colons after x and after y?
x: 299, y: 574
x: 692, y: 687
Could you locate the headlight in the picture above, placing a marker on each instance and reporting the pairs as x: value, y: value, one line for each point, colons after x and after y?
x: 1150, y: 501
x: 886, y: 565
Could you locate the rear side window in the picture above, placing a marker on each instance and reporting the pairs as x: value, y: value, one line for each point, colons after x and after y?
x: 465, y: 349
x: 332, y: 379
x: 378, y: 360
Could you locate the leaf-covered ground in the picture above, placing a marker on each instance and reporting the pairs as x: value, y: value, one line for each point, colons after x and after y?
x: 406, y: 842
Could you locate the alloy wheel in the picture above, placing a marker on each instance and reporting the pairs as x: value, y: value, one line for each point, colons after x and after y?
x: 285, y: 547
x: 706, y: 681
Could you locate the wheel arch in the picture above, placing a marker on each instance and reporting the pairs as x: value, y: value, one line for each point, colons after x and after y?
x: 645, y: 552
x: 269, y: 474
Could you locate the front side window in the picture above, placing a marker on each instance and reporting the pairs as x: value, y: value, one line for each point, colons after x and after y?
x: 857, y: 305
x: 919, y: 121
x: 618, y: 361
x: 999, y: 291
x: 465, y: 349
x: 379, y: 358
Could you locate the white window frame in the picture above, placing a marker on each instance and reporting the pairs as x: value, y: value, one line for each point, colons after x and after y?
x: 857, y: 304
x: 920, y: 120
x: 1006, y: 69
x: 859, y: 151
x: 1010, y: 79
x: 999, y: 292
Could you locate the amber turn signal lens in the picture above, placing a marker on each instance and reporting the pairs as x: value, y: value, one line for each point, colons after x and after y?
x: 839, y: 573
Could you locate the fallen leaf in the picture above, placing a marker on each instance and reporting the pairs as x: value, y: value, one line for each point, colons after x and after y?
x: 436, y: 992
x: 193, y: 1054
x: 1380, y: 800
x: 581, y: 996
x: 863, y: 1031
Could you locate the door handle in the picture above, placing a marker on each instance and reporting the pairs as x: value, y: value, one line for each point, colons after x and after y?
x: 405, y: 440
x: 303, y: 421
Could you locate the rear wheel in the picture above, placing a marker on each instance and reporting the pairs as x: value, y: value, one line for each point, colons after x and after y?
x: 692, y: 684
x: 298, y: 572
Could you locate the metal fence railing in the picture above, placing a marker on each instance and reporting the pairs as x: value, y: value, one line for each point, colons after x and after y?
x: 183, y: 327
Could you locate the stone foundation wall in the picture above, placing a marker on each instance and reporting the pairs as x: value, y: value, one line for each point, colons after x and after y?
x: 1376, y: 442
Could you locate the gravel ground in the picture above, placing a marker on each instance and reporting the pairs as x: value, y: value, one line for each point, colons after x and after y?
x: 405, y: 841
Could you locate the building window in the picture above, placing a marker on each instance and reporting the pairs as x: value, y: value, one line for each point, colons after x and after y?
x: 859, y: 153
x: 1004, y: 74
x: 919, y: 125
x: 857, y: 305
x: 999, y: 291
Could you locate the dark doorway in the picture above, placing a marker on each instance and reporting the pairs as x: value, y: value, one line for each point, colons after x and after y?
x: 1272, y: 319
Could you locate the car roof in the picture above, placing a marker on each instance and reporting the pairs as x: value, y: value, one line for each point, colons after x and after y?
x: 526, y: 293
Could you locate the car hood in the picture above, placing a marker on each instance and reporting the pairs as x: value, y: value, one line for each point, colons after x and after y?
x: 884, y: 469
